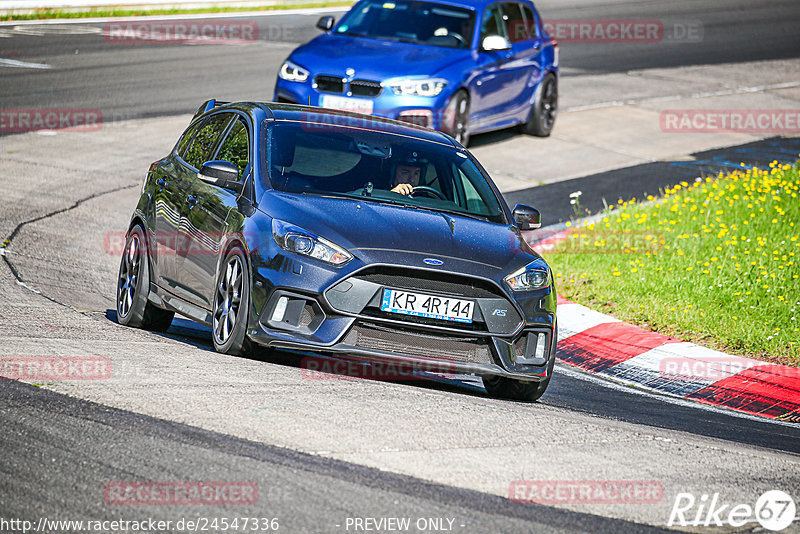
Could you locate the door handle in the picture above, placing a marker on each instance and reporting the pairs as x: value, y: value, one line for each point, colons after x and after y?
x: 192, y: 201
x: 162, y: 182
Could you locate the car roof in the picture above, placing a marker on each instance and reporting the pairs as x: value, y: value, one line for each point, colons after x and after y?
x: 476, y: 5
x: 325, y: 118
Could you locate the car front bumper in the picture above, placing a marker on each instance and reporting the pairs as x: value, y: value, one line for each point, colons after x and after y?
x: 419, y: 110
x: 342, y: 315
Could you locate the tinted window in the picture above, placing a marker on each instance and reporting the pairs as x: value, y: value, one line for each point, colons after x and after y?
x: 187, y: 138
x: 368, y: 166
x: 235, y: 148
x: 493, y: 23
x: 515, y: 22
x: 203, y: 143
x: 410, y: 21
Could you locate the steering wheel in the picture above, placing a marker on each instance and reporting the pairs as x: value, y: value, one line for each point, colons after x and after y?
x: 430, y: 190
x: 458, y: 38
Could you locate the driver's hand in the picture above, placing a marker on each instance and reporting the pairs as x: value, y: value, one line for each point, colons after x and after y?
x: 403, y: 189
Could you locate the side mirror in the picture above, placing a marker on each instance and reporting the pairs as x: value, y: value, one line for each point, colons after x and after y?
x: 526, y: 217
x: 223, y: 174
x: 492, y: 43
x: 325, y: 23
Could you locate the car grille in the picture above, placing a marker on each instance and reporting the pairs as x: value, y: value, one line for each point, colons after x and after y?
x: 329, y: 84
x: 460, y: 349
x: 447, y: 284
x: 365, y: 88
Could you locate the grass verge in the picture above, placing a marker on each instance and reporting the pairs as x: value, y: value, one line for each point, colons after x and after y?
x: 44, y: 14
x: 714, y: 262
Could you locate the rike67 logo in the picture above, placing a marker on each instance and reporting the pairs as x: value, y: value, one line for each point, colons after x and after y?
x: 775, y: 510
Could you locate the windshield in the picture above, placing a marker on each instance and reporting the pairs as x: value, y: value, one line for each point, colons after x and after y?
x: 379, y: 167
x: 414, y: 22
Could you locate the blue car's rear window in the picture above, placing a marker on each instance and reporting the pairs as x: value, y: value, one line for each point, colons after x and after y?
x: 410, y: 21
x: 375, y: 166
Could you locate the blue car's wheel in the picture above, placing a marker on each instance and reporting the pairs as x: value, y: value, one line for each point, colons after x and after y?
x: 455, y: 121
x: 509, y: 388
x: 231, y: 302
x: 544, y: 110
x: 133, y: 287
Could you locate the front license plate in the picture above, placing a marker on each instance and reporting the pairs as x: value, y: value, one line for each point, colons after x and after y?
x: 359, y: 105
x: 421, y: 305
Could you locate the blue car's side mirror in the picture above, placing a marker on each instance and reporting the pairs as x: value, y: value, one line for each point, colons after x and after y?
x: 492, y: 43
x: 325, y: 23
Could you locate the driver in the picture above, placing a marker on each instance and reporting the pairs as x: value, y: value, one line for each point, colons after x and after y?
x: 406, y: 178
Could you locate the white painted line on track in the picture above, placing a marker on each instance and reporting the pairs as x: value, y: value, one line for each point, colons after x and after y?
x: 242, y: 14
x: 23, y: 64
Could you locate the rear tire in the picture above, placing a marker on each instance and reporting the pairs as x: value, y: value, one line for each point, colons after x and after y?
x: 133, y: 287
x: 520, y: 390
x: 543, y: 113
x: 231, y: 305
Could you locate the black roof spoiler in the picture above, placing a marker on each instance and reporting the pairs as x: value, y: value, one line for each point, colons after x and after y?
x: 208, y: 105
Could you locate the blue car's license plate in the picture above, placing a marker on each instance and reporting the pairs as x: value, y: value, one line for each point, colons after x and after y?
x: 430, y: 306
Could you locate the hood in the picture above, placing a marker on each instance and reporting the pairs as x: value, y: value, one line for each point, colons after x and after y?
x: 384, y: 233
x: 373, y: 59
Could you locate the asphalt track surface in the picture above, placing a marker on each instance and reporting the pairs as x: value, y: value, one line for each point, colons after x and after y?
x: 143, y: 80
x: 58, y: 450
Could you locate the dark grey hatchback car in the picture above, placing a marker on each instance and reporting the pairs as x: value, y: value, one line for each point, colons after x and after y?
x: 300, y: 228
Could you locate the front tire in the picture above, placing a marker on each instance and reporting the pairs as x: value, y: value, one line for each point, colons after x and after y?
x: 543, y: 113
x: 231, y: 305
x: 133, y: 287
x: 509, y: 388
x: 455, y: 120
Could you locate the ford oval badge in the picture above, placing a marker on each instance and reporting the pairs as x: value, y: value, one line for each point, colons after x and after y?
x: 432, y: 261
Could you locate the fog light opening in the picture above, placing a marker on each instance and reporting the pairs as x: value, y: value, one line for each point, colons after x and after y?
x: 280, y: 309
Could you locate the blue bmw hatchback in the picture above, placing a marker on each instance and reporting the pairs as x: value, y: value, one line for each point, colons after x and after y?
x: 458, y: 66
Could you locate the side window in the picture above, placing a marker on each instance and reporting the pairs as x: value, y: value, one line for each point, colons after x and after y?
x: 236, y: 146
x: 530, y: 22
x: 515, y: 22
x: 493, y: 23
x: 188, y: 135
x: 200, y: 150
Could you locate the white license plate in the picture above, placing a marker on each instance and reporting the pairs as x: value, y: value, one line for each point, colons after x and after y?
x: 343, y: 103
x: 432, y: 307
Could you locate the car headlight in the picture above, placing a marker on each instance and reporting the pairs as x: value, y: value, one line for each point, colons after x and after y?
x: 416, y: 87
x: 292, y: 72
x: 530, y: 277
x: 295, y: 239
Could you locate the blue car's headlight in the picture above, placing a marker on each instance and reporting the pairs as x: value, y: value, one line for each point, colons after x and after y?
x: 530, y: 277
x: 295, y: 239
x: 292, y: 72
x: 416, y: 87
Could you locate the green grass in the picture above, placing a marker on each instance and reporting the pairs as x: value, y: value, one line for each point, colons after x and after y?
x: 714, y: 262
x: 43, y: 14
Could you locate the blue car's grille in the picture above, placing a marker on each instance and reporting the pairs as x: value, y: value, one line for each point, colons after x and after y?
x: 365, y: 88
x: 329, y: 84
x: 335, y: 84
